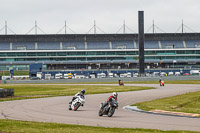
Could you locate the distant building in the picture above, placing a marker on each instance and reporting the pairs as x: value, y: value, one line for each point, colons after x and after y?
x: 99, y: 51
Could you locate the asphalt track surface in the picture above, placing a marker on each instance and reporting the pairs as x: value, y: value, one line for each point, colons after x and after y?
x: 55, y: 109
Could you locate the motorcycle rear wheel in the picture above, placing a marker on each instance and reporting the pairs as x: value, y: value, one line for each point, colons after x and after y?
x: 70, y: 108
x: 100, y: 112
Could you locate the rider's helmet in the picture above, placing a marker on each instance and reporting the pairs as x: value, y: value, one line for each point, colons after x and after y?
x: 83, y: 91
x: 115, y: 94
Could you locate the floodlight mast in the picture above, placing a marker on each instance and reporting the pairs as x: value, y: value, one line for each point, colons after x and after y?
x: 35, y: 27
x: 182, y: 26
x: 6, y: 27
x: 95, y: 27
x: 153, y: 27
x: 124, y: 30
x: 65, y: 27
x: 141, y: 42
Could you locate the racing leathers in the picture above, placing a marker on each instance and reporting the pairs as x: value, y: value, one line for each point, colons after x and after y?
x: 77, y: 94
x: 108, y: 100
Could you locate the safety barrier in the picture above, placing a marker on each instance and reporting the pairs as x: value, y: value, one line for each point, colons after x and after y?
x: 6, y: 92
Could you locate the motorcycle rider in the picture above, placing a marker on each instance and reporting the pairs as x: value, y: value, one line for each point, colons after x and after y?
x: 160, y: 81
x: 114, y: 95
x: 82, y: 92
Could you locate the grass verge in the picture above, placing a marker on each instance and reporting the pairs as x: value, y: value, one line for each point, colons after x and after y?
x: 188, y: 103
x: 166, y: 82
x: 34, y: 91
x: 134, y: 82
x: 40, y: 127
x: 16, y: 73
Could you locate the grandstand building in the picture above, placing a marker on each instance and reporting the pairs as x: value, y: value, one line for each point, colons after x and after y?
x: 99, y: 51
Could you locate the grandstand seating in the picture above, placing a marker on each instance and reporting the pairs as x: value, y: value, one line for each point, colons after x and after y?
x: 171, y: 44
x: 23, y: 46
x: 172, y: 60
x: 152, y: 60
x: 48, y: 45
x: 73, y: 45
x: 4, y: 46
x: 192, y: 43
x: 193, y: 60
x: 151, y: 45
x: 123, y: 44
x: 98, y: 45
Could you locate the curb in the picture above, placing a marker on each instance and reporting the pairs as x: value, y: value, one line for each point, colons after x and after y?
x: 135, y: 108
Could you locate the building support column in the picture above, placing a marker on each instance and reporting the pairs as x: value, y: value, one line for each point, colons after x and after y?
x: 61, y: 46
x: 36, y: 46
x: 11, y: 46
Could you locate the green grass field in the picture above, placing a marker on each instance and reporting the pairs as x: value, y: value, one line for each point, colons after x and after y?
x: 34, y: 91
x: 136, y: 82
x: 39, y: 127
x: 16, y: 73
x: 166, y: 82
x: 188, y: 103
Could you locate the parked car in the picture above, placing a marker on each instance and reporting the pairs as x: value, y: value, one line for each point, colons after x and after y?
x: 186, y: 74
x: 163, y: 74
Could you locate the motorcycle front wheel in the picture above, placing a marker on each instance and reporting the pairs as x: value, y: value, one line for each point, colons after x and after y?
x: 111, y: 112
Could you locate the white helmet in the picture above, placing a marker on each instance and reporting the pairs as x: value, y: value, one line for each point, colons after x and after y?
x: 115, y: 94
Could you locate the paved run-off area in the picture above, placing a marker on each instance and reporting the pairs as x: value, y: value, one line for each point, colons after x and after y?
x: 55, y: 109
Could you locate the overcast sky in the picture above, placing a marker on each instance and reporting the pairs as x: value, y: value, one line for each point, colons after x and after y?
x: 108, y: 14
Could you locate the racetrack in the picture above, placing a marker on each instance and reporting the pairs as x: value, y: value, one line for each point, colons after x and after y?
x: 55, y: 109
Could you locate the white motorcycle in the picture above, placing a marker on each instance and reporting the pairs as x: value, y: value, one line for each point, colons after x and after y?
x: 80, y: 100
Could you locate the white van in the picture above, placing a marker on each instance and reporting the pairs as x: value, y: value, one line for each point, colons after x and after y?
x: 194, y: 72
x: 103, y: 75
x: 58, y: 76
x: 128, y: 75
x: 39, y: 75
x: 116, y: 75
x: 122, y: 75
x: 177, y: 73
x: 170, y: 73
x: 163, y: 74
x: 65, y: 76
x: 92, y: 76
x: 135, y: 75
x: 98, y: 75
x: 47, y: 76
x: 156, y: 74
x: 110, y: 75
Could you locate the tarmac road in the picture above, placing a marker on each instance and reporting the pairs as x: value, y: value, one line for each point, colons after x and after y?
x: 55, y: 109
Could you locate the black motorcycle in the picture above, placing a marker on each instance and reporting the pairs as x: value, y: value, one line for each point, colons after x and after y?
x: 109, y: 109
